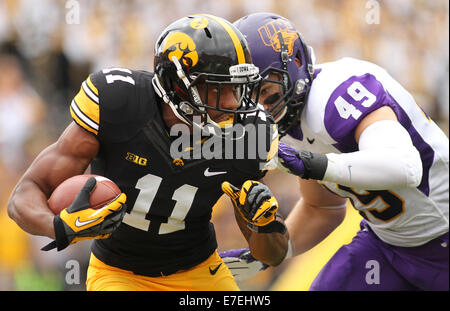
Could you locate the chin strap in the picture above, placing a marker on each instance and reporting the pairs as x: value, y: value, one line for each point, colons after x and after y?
x: 181, y: 74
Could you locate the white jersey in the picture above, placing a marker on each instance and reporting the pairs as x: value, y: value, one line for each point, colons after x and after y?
x: 342, y: 94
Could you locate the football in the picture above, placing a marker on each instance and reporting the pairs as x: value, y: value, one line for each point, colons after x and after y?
x: 105, y: 191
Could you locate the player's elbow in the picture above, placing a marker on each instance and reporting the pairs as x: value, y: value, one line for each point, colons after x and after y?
x: 413, y: 168
x: 11, y: 209
x: 274, y: 259
x: 12, y: 206
x: 17, y: 206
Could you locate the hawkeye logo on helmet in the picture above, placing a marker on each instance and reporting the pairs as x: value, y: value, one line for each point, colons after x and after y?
x: 269, y: 35
x: 182, y: 47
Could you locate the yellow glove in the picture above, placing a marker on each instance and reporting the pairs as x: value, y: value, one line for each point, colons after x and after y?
x: 256, y: 204
x: 80, y: 222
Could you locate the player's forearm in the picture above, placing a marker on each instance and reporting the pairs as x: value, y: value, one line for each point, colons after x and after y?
x: 386, y: 159
x: 270, y: 248
x: 69, y: 156
x: 27, y: 206
x: 308, y: 225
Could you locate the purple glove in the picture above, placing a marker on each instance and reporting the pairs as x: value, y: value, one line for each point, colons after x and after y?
x: 234, y: 252
x: 241, y: 263
x: 290, y: 160
x: 304, y: 164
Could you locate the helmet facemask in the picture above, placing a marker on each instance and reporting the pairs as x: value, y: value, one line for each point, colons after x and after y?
x: 284, y: 104
x: 286, y: 99
x: 192, y: 104
x: 286, y: 65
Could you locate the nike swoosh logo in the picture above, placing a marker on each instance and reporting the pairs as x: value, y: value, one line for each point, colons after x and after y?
x: 213, y: 271
x: 79, y: 223
x: 208, y: 173
x: 311, y: 141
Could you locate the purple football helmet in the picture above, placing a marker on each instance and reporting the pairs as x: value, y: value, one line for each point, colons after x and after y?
x: 284, y: 60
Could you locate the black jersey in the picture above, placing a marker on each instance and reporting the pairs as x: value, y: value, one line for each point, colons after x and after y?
x: 169, y: 201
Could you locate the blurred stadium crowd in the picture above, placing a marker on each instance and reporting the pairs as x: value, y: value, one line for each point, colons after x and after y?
x: 45, y: 55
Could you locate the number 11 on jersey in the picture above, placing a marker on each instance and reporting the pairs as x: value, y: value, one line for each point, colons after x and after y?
x: 110, y: 78
x: 148, y: 186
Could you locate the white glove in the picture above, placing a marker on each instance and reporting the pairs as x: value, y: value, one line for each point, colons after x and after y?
x: 242, y: 264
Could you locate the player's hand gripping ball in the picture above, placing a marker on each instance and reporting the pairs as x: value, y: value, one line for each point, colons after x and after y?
x: 86, y: 207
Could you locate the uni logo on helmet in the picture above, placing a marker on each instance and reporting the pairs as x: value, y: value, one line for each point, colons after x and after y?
x: 199, y: 23
x: 269, y: 35
x: 182, y: 47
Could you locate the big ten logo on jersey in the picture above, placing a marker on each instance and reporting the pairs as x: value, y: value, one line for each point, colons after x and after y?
x: 136, y: 159
x: 269, y: 35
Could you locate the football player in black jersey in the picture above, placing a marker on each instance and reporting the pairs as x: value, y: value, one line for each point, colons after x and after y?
x: 157, y: 234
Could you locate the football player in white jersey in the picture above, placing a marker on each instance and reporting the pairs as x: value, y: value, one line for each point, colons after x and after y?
x: 352, y: 132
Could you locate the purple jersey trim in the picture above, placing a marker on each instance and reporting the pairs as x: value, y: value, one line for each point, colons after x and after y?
x: 296, y: 132
x: 425, y: 150
x: 343, y: 130
x: 316, y: 72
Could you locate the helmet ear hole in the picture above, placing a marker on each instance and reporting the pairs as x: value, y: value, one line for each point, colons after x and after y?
x: 298, y: 61
x: 179, y: 91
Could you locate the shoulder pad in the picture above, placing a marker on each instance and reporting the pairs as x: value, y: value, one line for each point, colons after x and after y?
x: 349, y: 103
x: 115, y: 103
x: 84, y: 108
x: 342, y: 94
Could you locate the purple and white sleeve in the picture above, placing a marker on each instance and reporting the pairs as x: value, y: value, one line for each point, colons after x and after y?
x: 348, y: 104
x: 385, y: 156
